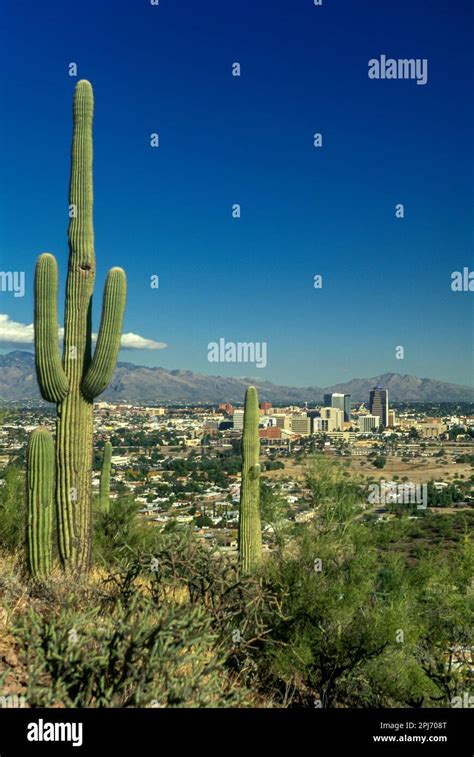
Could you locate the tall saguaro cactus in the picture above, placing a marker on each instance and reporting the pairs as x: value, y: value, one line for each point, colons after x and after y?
x: 104, y: 490
x: 250, y: 532
x: 73, y: 382
x: 40, y: 493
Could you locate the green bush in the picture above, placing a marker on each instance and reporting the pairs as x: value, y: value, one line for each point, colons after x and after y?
x: 121, y: 530
x: 12, y: 509
x: 135, y: 656
x: 333, y: 620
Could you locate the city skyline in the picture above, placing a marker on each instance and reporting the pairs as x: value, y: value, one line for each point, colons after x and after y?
x: 305, y: 211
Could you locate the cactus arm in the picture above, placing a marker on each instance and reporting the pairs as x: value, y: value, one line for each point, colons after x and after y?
x: 52, y: 379
x: 108, y: 343
x: 104, y: 492
x: 250, y: 531
x: 40, y: 488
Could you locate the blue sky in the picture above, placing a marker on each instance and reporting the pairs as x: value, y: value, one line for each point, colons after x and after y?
x: 249, y: 140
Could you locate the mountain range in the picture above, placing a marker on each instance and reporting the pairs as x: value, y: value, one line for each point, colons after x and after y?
x: 140, y: 384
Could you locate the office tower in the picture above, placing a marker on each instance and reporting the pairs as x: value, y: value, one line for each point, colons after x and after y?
x: 339, y: 419
x: 378, y: 404
x: 391, y: 418
x: 238, y: 419
x: 312, y: 415
x: 300, y: 424
x: 337, y: 401
x: 347, y: 408
x: 368, y: 423
x: 334, y: 417
x: 340, y: 401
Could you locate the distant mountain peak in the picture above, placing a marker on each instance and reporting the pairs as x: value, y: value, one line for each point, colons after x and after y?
x: 138, y: 383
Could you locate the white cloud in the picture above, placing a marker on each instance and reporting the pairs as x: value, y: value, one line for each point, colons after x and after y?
x: 133, y: 341
x: 12, y: 332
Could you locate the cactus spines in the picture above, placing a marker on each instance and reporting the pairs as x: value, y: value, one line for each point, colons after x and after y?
x: 40, y: 499
x: 250, y: 533
x: 83, y: 376
x: 104, y: 491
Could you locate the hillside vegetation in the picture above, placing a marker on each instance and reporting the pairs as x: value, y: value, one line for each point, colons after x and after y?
x: 344, y: 613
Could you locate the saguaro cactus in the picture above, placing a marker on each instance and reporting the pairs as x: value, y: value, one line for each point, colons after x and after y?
x: 40, y: 491
x: 74, y: 382
x: 250, y: 532
x: 104, y: 491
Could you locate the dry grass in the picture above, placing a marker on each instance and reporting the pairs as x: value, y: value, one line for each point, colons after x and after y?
x: 418, y: 470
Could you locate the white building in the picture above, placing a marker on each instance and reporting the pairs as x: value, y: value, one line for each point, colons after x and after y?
x: 238, y: 419
x: 368, y: 423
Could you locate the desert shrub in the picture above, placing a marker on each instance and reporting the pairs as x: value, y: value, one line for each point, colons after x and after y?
x: 393, y: 679
x: 12, y: 509
x: 203, y: 521
x: 362, y: 626
x: 134, y: 655
x: 242, y: 609
x: 333, y: 621
x: 185, y: 570
x: 445, y: 607
x: 120, y: 530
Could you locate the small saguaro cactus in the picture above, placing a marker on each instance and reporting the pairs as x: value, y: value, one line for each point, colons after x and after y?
x: 73, y: 382
x: 40, y: 501
x: 104, y: 491
x: 250, y: 531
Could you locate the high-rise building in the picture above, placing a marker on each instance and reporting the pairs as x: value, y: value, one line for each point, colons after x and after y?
x: 238, y: 418
x: 312, y: 415
x: 341, y: 401
x: 266, y: 407
x: 334, y: 416
x: 378, y: 404
x: 391, y: 418
x: 368, y: 423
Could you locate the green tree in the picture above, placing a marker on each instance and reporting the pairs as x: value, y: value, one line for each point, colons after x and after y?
x: 203, y: 521
x: 12, y: 508
x: 274, y: 513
